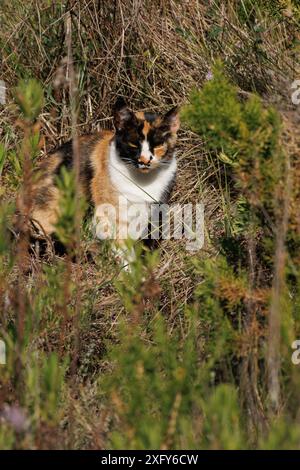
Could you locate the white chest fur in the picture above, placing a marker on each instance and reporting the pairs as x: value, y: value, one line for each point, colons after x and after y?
x: 139, y: 187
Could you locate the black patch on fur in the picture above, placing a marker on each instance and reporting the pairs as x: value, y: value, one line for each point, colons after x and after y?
x: 150, y: 117
x: 156, y: 138
x: 43, y: 196
x: 42, y: 246
x: 130, y: 134
x: 66, y: 151
x: 86, y: 170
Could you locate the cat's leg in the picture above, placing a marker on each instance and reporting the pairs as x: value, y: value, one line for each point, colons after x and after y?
x: 133, y: 225
x: 109, y: 225
x: 123, y: 247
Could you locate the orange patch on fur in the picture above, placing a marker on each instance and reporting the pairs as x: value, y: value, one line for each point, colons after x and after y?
x: 143, y: 159
x: 160, y: 151
x: 46, y: 218
x: 157, y: 122
x: 140, y: 115
x: 146, y: 128
x: 100, y: 186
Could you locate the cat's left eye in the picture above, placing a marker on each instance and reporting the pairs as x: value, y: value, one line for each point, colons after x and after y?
x: 132, y: 145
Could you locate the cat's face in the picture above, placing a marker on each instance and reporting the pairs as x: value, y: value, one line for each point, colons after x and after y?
x: 145, y: 140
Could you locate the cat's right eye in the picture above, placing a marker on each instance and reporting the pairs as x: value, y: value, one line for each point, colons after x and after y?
x: 132, y: 145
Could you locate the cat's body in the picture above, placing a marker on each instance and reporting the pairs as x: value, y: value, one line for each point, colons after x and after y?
x: 136, y: 162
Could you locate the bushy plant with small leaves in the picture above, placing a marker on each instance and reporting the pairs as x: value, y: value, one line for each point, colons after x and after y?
x: 248, y: 282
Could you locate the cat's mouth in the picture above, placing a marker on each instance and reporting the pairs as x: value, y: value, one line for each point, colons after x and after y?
x: 144, y: 168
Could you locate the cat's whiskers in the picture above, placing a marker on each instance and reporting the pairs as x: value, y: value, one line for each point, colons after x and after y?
x: 128, y: 162
x: 164, y: 162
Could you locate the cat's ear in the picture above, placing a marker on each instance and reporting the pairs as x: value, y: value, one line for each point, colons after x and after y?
x: 122, y: 114
x: 171, y: 119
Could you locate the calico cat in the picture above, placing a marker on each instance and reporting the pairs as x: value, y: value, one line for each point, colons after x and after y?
x: 136, y: 162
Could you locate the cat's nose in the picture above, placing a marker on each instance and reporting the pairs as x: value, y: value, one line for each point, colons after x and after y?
x: 145, y: 160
